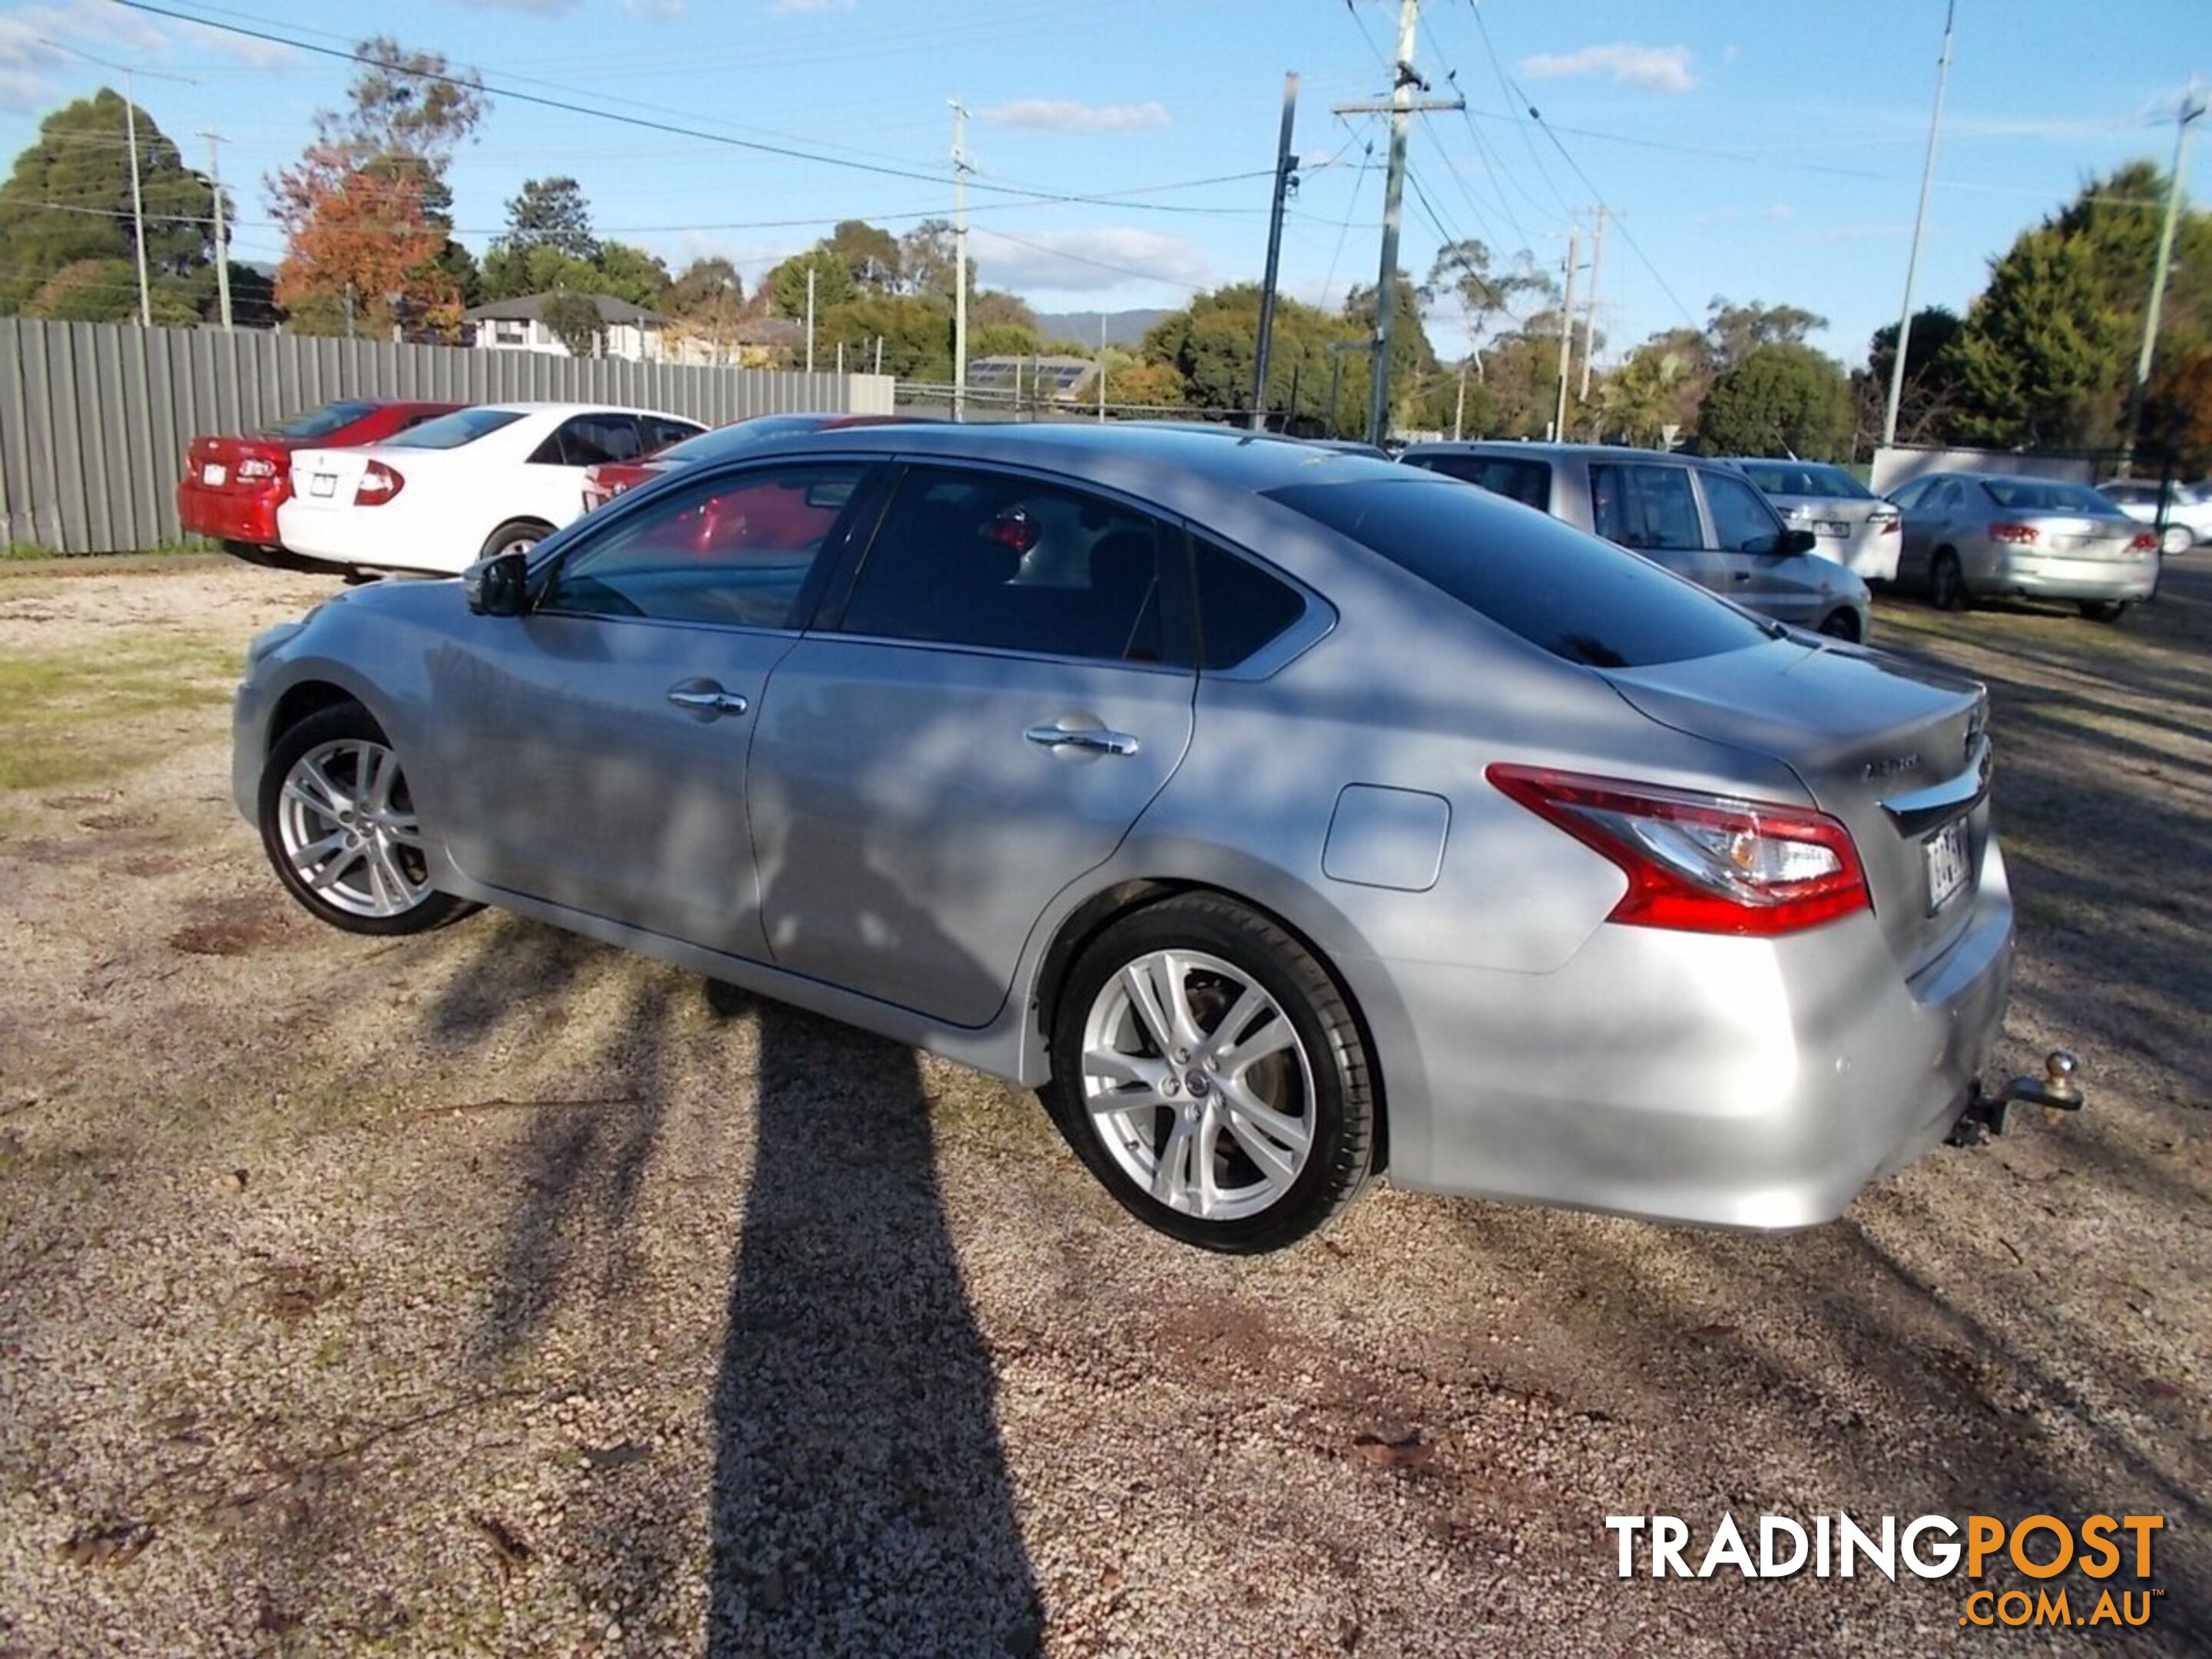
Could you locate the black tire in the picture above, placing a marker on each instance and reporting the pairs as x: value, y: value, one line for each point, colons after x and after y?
x: 515, y: 536
x: 344, y: 722
x: 1842, y: 625
x: 252, y: 553
x: 2104, y: 610
x: 1947, y: 582
x: 1341, y: 1112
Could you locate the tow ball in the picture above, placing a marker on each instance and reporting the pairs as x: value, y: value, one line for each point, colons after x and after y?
x: 1991, y: 1114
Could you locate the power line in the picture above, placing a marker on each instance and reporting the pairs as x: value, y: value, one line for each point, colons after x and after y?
x: 1084, y: 260
x: 1513, y: 95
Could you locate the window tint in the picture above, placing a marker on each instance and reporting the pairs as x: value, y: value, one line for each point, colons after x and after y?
x: 1554, y: 586
x: 976, y: 558
x: 1526, y: 482
x: 1645, y: 506
x: 660, y: 432
x: 1805, y: 478
x: 1742, y: 521
x: 2046, y: 496
x: 463, y: 426
x: 590, y: 439
x: 321, y: 423
x: 1909, y: 494
x: 738, y: 435
x: 1240, y: 606
x: 733, y: 550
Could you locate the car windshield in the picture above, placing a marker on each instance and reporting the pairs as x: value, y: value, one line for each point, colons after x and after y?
x: 1556, y: 586
x: 463, y: 426
x: 741, y: 434
x: 321, y: 423
x: 2046, y: 496
x: 1805, y: 478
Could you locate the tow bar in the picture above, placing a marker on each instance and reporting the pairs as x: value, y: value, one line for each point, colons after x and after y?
x: 1989, y: 1116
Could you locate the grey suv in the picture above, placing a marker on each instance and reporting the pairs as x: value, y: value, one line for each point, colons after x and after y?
x: 1701, y: 520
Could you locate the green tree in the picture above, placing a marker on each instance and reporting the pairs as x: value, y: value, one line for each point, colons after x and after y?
x: 574, y: 320
x: 65, y: 214
x: 2047, y: 354
x: 632, y: 274
x: 707, y: 290
x: 1635, y: 403
x: 551, y: 213
x: 916, y: 332
x: 869, y: 254
x: 1484, y: 290
x: 1212, y: 343
x: 1000, y: 340
x: 1736, y: 331
x: 1929, y: 398
x: 1782, y: 397
x: 991, y: 307
x: 787, y: 283
x: 925, y: 262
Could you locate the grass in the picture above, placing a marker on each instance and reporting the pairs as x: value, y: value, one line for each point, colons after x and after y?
x: 31, y: 553
x: 76, y: 717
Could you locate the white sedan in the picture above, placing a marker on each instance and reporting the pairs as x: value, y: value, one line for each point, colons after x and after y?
x: 480, y: 481
x: 2188, y: 509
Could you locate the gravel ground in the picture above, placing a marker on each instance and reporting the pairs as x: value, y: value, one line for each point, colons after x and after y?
x: 494, y: 1292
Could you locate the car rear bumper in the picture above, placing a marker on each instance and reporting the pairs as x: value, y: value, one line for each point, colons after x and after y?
x: 1680, y: 1077
x: 2052, y: 576
x: 225, y: 515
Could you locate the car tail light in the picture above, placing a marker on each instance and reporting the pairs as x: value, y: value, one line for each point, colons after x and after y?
x: 1698, y: 863
x: 256, y: 467
x: 2144, y: 542
x: 1886, y: 524
x: 2017, y: 535
x: 378, y: 484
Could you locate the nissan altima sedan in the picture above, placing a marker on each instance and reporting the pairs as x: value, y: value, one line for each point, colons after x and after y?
x: 1977, y: 535
x: 1286, y: 817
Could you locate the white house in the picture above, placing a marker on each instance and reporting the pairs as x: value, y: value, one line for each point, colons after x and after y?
x: 632, y: 331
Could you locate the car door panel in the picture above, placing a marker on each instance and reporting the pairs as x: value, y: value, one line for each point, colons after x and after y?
x: 1650, y: 509
x: 1745, y: 536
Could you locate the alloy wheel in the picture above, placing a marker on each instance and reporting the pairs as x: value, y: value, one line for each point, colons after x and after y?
x: 1197, y: 1084
x: 347, y: 827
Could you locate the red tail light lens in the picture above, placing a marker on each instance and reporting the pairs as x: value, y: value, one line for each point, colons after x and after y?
x: 378, y: 484
x: 2145, y: 542
x: 1702, y: 864
x: 1887, y: 524
x: 2015, y: 535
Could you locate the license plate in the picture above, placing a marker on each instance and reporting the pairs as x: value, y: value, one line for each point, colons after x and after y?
x: 323, y: 484
x: 1832, y: 527
x: 213, y: 473
x: 1945, y: 852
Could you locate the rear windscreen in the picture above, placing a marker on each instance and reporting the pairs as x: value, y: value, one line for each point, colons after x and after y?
x: 1513, y: 477
x: 463, y: 426
x: 321, y: 423
x: 1556, y: 586
x: 2046, y: 496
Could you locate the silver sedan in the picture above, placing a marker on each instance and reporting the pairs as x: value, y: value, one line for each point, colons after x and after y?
x: 1976, y: 535
x: 1855, y: 527
x: 1286, y: 817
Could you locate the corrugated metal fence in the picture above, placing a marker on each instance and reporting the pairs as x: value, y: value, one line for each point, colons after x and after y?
x: 95, y: 417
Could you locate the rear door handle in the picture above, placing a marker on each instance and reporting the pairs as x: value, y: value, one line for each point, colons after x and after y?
x: 1094, y: 739
x: 708, y: 702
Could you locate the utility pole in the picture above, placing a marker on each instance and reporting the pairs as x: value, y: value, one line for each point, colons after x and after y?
x: 879, y: 354
x: 222, y: 243
x: 1919, y: 229
x: 348, y: 310
x: 2192, y: 105
x: 959, y: 259
x: 1458, y: 408
x: 1589, y: 311
x: 1102, y: 368
x: 810, y: 319
x: 1401, y: 106
x: 1566, y: 337
x: 1286, y: 177
x: 137, y: 206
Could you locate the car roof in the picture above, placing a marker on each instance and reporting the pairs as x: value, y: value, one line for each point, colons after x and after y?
x: 525, y: 407
x: 1554, y: 452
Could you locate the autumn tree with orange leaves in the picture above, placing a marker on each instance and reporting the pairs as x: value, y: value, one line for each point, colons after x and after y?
x: 366, y: 211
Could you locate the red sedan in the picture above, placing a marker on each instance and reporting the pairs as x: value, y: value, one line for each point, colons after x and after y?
x: 232, y: 487
x: 603, y: 482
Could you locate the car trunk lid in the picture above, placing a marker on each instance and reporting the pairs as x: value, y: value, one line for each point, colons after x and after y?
x: 2077, y: 535
x: 231, y: 465
x: 1895, y: 752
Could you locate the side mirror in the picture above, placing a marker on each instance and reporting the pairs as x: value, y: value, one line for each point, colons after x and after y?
x: 1797, y: 541
x: 497, y: 587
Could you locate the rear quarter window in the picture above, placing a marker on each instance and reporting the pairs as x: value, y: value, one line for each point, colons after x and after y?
x: 1560, y: 588
x: 1516, y: 478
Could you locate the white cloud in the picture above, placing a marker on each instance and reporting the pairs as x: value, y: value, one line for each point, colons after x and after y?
x: 655, y: 11
x: 1655, y: 69
x: 534, y: 7
x: 20, y: 91
x: 37, y: 43
x: 1065, y: 115
x: 1085, y: 261
x: 1779, y: 212
x: 808, y: 5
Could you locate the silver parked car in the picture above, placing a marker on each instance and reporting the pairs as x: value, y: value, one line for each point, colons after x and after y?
x: 1855, y: 527
x: 1976, y: 535
x: 1700, y: 518
x: 2188, y: 509
x: 1285, y: 816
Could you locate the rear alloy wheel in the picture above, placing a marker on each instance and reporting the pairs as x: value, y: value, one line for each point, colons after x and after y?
x: 338, y: 823
x: 2177, y: 539
x: 515, y: 536
x: 1947, y: 582
x: 2104, y: 610
x: 1841, y: 625
x: 1208, y: 1071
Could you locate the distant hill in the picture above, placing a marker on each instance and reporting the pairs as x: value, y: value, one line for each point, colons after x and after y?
x: 1123, y: 328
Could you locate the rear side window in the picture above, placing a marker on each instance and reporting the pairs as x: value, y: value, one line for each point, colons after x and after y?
x: 1649, y: 508
x: 591, y: 440
x: 321, y: 423
x: 463, y: 426
x: 660, y: 432
x: 1526, y: 482
x: 1557, y: 587
x: 1241, y: 607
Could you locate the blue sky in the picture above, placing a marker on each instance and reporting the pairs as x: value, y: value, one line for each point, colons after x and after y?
x: 1759, y: 148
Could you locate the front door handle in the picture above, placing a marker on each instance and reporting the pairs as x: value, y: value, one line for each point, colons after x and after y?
x: 1093, y: 739
x: 708, y: 703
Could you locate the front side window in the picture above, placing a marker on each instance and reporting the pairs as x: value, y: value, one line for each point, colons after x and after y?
x: 1644, y: 506
x: 1742, y: 521
x: 733, y: 550
x: 985, y: 559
